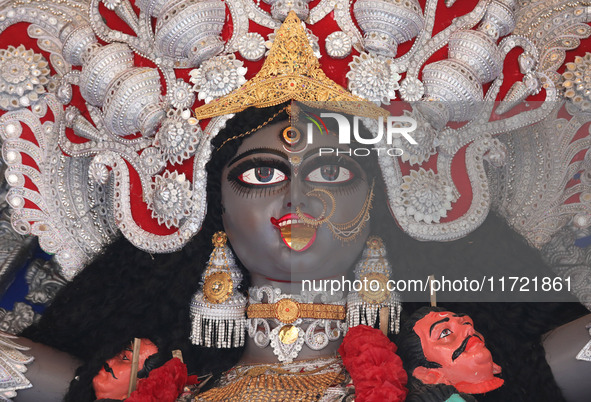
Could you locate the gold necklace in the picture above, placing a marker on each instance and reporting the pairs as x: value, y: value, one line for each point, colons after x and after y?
x: 264, y: 383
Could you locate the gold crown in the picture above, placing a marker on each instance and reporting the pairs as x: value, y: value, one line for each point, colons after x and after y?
x: 291, y: 72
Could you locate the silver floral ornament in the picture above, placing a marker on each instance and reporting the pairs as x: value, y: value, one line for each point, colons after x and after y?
x: 448, y: 141
x: 281, y: 8
x: 17, y: 320
x: 177, y: 139
x: 170, y: 198
x: 252, y: 46
x: 425, y: 196
x: 64, y: 93
x: 338, y: 45
x: 71, y: 115
x: 152, y: 161
x: 180, y: 95
x: 527, y: 63
x: 217, y: 77
x: 411, y: 89
x: 111, y: 4
x: 577, y: 82
x: 583, y: 220
x: 497, y: 156
x: 23, y: 77
x: 424, y: 135
x: 373, y: 78
x: 98, y: 172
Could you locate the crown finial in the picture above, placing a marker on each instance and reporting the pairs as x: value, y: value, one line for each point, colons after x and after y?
x: 290, y: 72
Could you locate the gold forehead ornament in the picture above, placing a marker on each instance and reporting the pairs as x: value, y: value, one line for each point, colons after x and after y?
x: 291, y: 72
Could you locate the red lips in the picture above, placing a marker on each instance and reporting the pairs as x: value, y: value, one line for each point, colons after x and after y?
x: 473, y: 342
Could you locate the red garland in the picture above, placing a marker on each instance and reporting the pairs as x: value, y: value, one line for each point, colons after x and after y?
x: 164, y: 384
x: 377, y: 373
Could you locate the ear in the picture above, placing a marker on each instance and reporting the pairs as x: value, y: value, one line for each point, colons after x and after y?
x: 496, y: 368
x: 429, y: 375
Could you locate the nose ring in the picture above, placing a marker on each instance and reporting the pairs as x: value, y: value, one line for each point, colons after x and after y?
x: 323, y: 218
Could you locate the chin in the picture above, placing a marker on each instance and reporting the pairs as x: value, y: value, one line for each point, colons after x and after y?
x: 316, y: 269
x: 295, y: 272
x: 480, y: 361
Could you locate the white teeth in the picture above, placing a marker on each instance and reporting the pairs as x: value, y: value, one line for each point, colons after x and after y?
x: 289, y: 222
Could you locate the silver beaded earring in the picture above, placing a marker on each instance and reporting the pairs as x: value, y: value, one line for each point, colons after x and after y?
x: 218, y: 308
x: 373, y: 272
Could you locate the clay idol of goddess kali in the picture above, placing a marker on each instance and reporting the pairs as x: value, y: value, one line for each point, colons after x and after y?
x: 206, y: 172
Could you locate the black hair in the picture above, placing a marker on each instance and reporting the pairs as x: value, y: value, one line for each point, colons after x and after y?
x: 409, y: 343
x: 434, y: 393
x: 127, y: 293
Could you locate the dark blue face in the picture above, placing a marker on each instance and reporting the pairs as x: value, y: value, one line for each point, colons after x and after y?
x: 275, y: 193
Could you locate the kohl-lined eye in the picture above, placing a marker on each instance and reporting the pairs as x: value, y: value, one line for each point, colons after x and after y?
x: 330, y: 174
x: 262, y: 176
x: 446, y: 332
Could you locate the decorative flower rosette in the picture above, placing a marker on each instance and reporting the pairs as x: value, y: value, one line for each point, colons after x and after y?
x: 371, y: 359
x: 218, y: 77
x: 24, y: 76
x: 425, y: 197
x: 98, y: 136
x: 374, y: 78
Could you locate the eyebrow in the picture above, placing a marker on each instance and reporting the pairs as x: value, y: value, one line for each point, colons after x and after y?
x: 446, y: 319
x: 256, y: 151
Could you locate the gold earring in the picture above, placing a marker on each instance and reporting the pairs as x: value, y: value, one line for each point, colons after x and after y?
x: 218, y: 308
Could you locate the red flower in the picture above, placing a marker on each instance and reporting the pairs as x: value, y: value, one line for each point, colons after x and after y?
x: 164, y: 384
x: 375, y: 368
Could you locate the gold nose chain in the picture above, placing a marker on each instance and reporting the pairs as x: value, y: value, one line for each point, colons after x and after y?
x: 346, y: 231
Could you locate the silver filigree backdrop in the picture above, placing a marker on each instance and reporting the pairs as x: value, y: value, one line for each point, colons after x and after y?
x: 81, y: 193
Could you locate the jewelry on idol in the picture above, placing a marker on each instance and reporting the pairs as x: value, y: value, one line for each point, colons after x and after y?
x: 218, y: 307
x: 295, y: 161
x: 291, y: 135
x: 346, y: 231
x: 298, y: 381
x: 290, y: 66
x: 276, y: 319
x: 13, y: 361
x: 448, y: 90
x: 323, y: 218
x: 254, y: 130
x: 124, y: 98
x: 288, y: 310
x: 363, y: 307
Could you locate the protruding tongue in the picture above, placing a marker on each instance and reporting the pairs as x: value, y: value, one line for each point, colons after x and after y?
x: 298, y: 236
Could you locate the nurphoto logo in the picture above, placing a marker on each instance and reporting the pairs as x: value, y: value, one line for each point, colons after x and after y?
x: 395, y: 127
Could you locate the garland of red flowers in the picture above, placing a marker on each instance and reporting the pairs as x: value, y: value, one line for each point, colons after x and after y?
x: 164, y: 384
x: 375, y: 368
